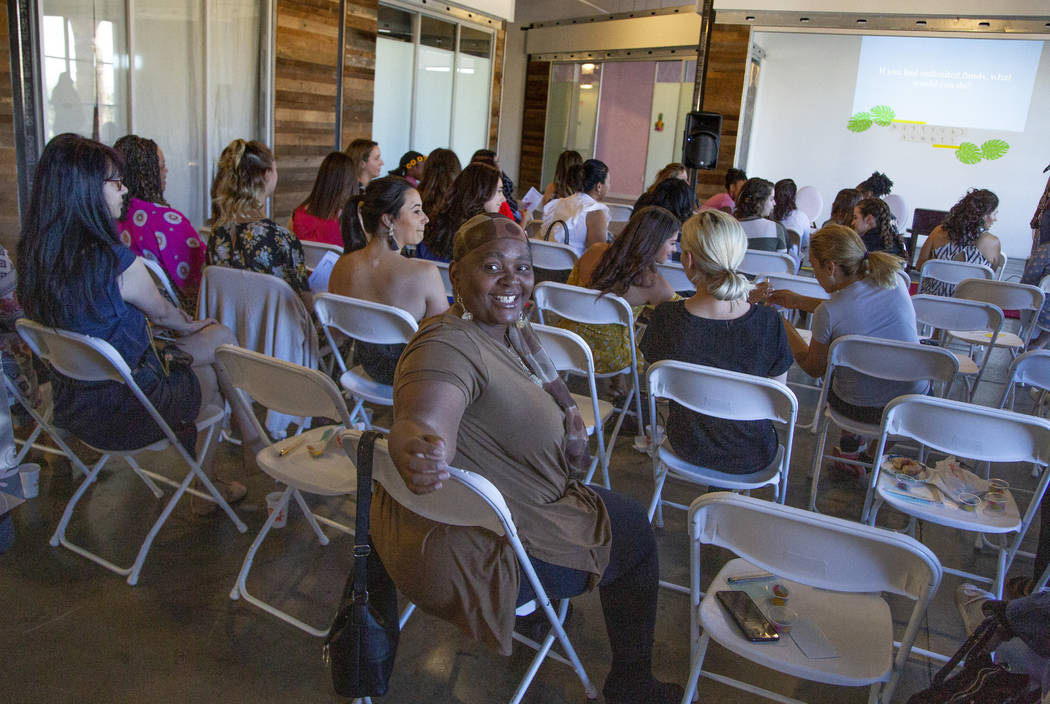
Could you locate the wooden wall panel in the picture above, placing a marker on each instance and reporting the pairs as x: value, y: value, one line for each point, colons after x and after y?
x: 305, y: 78
x: 9, y: 220
x: 497, y: 84
x: 726, y: 73
x: 359, y: 70
x: 534, y: 121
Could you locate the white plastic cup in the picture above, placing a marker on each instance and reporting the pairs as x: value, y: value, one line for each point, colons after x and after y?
x: 30, y: 476
x: 272, y: 500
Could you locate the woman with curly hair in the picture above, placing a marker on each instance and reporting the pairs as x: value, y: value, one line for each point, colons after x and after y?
x: 627, y: 268
x: 479, y: 189
x: 787, y: 213
x: 963, y: 237
x: 754, y: 205
x: 149, y: 226
x: 842, y: 207
x: 410, y: 168
x: 560, y: 187
x: 873, y: 221
x: 316, y: 219
x: 439, y: 171
x: 242, y: 237
x: 875, y: 186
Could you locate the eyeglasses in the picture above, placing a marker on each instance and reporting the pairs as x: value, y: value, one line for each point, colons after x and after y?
x: 117, y: 180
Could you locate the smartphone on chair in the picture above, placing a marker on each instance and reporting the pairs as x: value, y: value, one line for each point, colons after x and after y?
x: 752, y: 622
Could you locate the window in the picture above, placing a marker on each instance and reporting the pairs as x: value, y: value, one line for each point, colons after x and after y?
x: 433, y: 84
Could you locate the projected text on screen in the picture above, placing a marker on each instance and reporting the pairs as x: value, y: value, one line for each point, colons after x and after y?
x: 972, y: 83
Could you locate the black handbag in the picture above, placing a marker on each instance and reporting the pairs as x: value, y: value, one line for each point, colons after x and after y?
x: 979, y: 681
x: 362, y: 643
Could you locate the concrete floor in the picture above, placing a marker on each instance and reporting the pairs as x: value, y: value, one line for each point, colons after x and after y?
x: 73, y: 632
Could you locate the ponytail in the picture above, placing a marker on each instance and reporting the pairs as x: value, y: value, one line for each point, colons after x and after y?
x: 840, y: 244
x: 354, y: 237
x: 881, y: 269
x: 361, y: 218
x: 717, y: 243
x: 584, y: 177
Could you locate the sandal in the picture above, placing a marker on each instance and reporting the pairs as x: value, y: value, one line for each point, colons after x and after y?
x: 1018, y: 587
x: 231, y: 491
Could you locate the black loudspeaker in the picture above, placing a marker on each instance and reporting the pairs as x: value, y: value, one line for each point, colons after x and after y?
x: 700, y: 143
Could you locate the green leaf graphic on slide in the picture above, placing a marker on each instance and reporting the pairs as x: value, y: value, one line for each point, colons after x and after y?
x: 859, y: 122
x: 994, y: 149
x: 968, y: 153
x: 883, y: 115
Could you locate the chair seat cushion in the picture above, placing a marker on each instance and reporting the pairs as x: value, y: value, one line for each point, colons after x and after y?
x: 328, y: 475
x: 858, y: 627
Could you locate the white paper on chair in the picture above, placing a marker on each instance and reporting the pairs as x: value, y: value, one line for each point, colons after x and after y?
x: 812, y: 641
x: 319, y: 277
x: 530, y: 201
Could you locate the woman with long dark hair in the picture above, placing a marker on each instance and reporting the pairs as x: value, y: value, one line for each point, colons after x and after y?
x: 842, y: 207
x: 560, y: 186
x: 963, y: 237
x: 75, y: 274
x: 316, y: 219
x: 152, y: 228
x: 627, y: 268
x: 376, y: 225
x: 581, y: 219
x: 478, y: 189
x: 368, y: 161
x: 788, y: 214
x: 439, y: 171
x: 754, y: 205
x: 672, y: 193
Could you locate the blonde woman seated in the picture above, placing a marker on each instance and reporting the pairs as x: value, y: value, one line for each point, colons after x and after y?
x: 376, y: 225
x: 717, y: 327
x: 626, y: 268
x: 242, y: 237
x: 867, y: 298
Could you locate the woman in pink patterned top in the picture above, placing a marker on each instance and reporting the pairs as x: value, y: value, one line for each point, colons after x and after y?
x: 149, y: 226
x: 316, y: 219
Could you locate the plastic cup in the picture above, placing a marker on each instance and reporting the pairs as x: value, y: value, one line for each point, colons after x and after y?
x: 30, y: 476
x: 780, y: 594
x: 969, y: 502
x: 273, y: 499
x: 783, y: 618
x: 998, y: 486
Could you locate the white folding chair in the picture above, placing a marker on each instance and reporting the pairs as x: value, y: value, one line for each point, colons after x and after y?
x: 469, y: 499
x: 674, y: 274
x: 727, y: 395
x: 1001, y: 271
x: 1008, y: 295
x: 43, y: 415
x: 266, y: 316
x: 552, y: 256
x: 570, y: 354
x: 313, y: 252
x: 836, y: 571
x: 971, y: 432
x: 619, y: 212
x: 757, y: 262
x: 446, y: 279
x: 960, y: 315
x: 366, y: 321
x: 952, y: 272
x: 161, y: 278
x: 1030, y: 369
x: 298, y: 391
x: 91, y: 359
x: 888, y: 360
x: 594, y: 308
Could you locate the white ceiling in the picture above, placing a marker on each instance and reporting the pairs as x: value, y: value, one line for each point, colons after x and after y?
x: 543, y: 10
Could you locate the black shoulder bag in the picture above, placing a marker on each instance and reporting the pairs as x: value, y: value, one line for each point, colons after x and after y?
x: 363, y: 640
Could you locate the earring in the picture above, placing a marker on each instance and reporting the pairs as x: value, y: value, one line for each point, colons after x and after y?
x: 466, y: 315
x: 391, y: 239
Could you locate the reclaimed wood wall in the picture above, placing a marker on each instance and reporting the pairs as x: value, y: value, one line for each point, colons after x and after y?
x: 534, y: 122
x: 726, y: 72
x: 10, y: 223
x: 497, y: 85
x: 359, y: 70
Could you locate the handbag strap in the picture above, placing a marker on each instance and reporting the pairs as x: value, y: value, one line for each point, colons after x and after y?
x: 362, y: 542
x: 975, y: 645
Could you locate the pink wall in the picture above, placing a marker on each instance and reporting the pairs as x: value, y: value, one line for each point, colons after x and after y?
x: 623, y: 124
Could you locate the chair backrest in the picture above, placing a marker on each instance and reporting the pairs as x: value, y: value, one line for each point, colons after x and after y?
x: 619, y: 212
x: 281, y: 386
x: 802, y: 285
x: 583, y: 305
x: 1031, y: 368
x: 758, y: 262
x: 570, y: 353
x: 363, y: 320
x: 313, y: 252
x: 674, y: 274
x: 813, y: 549
x: 1008, y: 295
x: 722, y: 393
x: 467, y: 499
x: 160, y: 277
x: 552, y: 255
x: 1001, y: 271
x: 899, y: 209
x: 968, y: 430
x: 891, y: 360
x: 957, y: 314
x: 952, y: 272
x: 446, y: 279
x: 810, y: 202
x: 263, y: 312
